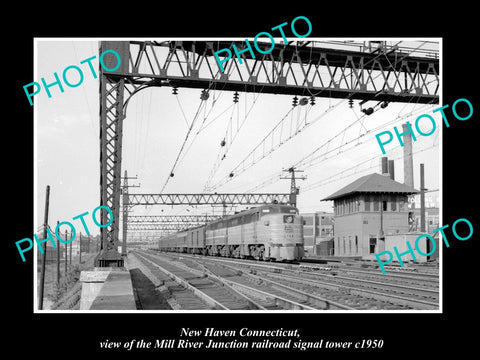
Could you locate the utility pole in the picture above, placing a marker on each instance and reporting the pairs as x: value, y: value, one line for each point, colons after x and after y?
x: 58, y: 261
x: 381, y: 234
x: 70, y: 265
x: 66, y: 254
x: 126, y: 206
x: 80, y: 250
x: 422, y: 198
x: 42, y: 274
x: 294, y: 191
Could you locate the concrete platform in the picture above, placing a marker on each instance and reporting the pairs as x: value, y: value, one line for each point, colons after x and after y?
x: 107, y: 289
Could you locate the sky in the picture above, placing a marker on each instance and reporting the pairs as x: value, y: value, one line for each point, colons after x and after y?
x: 157, y: 123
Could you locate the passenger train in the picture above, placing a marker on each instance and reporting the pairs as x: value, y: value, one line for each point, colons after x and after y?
x: 268, y: 232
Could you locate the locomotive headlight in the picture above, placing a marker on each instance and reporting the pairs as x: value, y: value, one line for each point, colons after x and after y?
x: 288, y: 219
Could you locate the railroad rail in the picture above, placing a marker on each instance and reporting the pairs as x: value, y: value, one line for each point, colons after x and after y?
x: 192, y: 290
x: 230, y: 289
x: 358, y: 289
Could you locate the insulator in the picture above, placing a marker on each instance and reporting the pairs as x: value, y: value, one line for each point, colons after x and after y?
x: 235, y: 97
x: 312, y: 100
x: 175, y: 90
x: 350, y: 103
x: 303, y: 101
x: 384, y: 104
x: 368, y: 111
x: 204, y: 95
x: 295, y: 101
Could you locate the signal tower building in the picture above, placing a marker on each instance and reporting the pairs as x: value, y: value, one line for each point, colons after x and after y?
x: 365, y: 211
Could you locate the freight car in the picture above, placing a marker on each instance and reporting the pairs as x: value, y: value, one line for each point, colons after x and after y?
x: 268, y: 232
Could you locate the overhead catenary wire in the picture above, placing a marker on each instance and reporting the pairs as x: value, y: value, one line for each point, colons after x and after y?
x: 182, y: 147
x: 236, y: 172
x: 90, y: 112
x: 335, y: 177
x: 228, y: 144
x: 255, y: 155
x: 184, y: 153
x: 229, y: 108
x: 277, y: 177
x: 307, y: 162
x: 202, y: 103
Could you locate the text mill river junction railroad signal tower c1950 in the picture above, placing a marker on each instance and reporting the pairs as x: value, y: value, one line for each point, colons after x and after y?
x: 301, y: 68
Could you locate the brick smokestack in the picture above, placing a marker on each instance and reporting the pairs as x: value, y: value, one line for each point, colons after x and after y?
x: 407, y: 157
x: 391, y: 169
x: 384, y: 165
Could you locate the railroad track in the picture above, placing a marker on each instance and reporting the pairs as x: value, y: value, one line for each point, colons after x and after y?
x: 189, y: 289
x: 215, y: 287
x: 359, y: 290
x: 413, y: 280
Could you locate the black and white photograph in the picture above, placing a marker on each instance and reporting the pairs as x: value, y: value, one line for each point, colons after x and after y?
x: 276, y: 184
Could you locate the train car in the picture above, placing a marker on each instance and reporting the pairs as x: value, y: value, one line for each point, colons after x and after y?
x: 196, y: 240
x: 268, y: 232
x: 174, y: 242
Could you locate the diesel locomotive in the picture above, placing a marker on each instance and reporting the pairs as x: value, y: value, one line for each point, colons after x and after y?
x: 269, y: 232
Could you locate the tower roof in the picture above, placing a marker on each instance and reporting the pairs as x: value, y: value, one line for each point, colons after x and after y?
x: 373, y: 183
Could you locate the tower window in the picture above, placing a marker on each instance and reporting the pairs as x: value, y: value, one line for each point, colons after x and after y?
x: 373, y: 244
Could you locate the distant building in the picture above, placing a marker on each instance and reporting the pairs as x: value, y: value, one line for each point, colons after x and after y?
x: 365, y: 211
x: 318, y: 232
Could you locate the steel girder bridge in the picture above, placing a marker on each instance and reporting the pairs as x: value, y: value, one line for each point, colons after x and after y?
x: 168, y: 222
x: 299, y: 68
x: 163, y: 227
x: 206, y: 199
x: 190, y: 219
